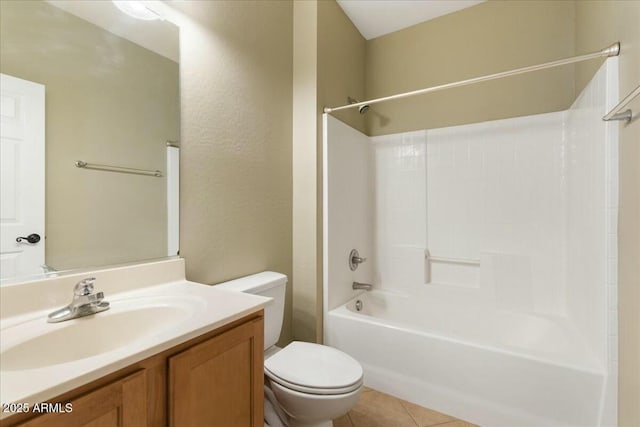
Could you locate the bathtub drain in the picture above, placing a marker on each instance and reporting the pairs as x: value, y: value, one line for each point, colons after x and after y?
x: 358, y: 305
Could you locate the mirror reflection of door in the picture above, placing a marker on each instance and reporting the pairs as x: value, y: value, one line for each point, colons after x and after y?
x: 21, y: 176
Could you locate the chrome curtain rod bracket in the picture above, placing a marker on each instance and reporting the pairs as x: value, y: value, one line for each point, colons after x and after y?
x: 109, y: 168
x: 620, y: 111
x: 626, y: 116
x: 612, y: 50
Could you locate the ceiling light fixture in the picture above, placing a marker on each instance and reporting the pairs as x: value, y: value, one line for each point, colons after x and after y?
x: 137, y: 9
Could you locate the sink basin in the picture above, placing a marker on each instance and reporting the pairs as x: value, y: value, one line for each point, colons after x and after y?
x: 126, y: 323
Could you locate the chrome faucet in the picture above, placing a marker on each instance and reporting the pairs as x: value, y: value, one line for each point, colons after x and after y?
x: 358, y: 285
x: 84, y: 303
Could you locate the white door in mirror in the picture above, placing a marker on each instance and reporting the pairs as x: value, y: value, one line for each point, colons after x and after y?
x: 22, y: 177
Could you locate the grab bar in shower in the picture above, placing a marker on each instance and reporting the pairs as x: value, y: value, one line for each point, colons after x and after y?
x: 446, y: 260
x: 429, y: 259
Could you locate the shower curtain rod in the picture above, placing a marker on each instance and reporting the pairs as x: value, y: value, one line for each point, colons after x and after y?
x: 613, y: 50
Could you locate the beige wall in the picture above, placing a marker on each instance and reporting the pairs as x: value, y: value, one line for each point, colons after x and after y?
x: 101, y: 107
x: 306, y: 267
x: 599, y: 23
x: 328, y: 66
x: 236, y: 186
x: 488, y: 38
x: 341, y: 63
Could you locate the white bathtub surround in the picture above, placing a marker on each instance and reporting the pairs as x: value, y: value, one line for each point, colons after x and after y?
x: 513, y: 322
x: 592, y: 212
x: 352, y: 216
x: 400, y: 205
x: 466, y: 191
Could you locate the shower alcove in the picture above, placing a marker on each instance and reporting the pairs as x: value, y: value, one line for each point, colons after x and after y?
x: 491, y: 250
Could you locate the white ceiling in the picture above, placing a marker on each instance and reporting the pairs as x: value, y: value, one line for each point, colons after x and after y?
x: 374, y: 18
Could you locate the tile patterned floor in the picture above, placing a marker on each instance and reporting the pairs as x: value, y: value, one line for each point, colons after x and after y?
x: 376, y: 409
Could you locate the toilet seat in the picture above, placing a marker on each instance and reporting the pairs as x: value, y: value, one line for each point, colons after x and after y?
x: 312, y: 390
x: 314, y: 369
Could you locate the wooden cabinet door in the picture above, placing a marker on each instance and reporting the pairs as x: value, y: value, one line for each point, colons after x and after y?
x: 122, y: 403
x: 219, y: 382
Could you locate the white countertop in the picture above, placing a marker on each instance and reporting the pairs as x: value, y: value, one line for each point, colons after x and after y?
x: 195, y: 309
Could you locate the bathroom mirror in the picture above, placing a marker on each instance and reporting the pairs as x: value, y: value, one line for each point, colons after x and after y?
x: 84, y: 82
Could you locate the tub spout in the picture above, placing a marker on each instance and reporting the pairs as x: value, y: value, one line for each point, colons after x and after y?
x: 358, y: 285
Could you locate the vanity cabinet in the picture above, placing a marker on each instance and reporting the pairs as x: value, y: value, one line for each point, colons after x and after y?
x: 213, y: 380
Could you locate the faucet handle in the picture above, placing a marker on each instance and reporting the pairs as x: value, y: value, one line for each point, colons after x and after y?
x: 84, y: 287
x: 355, y: 259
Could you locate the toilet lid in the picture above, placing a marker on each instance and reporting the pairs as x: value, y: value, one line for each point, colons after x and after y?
x: 314, y: 368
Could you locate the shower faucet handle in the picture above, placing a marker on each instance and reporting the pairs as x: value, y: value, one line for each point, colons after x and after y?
x: 355, y: 260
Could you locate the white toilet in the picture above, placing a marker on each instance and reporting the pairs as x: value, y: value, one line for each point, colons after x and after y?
x: 312, y: 383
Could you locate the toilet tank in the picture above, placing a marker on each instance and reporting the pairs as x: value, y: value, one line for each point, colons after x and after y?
x: 266, y: 284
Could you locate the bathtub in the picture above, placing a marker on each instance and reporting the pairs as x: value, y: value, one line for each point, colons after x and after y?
x: 491, y: 367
